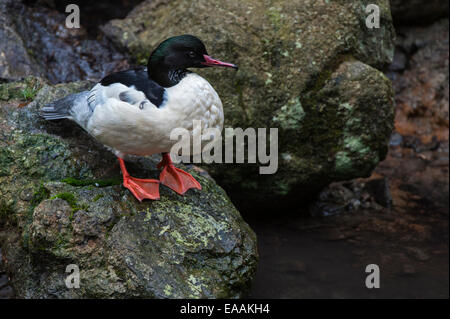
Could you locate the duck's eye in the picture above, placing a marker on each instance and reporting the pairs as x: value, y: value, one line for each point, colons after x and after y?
x: 192, y: 54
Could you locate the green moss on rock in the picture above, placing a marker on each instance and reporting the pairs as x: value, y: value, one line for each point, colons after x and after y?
x: 125, y: 249
x: 40, y: 194
x: 25, y: 90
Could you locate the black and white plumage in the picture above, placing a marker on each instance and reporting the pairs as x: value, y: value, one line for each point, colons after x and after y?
x: 132, y: 113
x: 135, y: 111
x: 140, y: 81
x: 124, y: 119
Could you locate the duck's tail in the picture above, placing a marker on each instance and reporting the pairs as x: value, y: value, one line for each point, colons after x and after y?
x: 75, y: 107
x: 60, y: 109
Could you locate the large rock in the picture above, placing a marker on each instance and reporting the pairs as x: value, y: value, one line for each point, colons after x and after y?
x: 417, y: 12
x: 61, y: 205
x: 307, y: 67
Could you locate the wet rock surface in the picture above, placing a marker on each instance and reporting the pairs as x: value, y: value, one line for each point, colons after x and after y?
x: 61, y: 204
x: 421, y: 82
x: 306, y: 67
x: 35, y: 41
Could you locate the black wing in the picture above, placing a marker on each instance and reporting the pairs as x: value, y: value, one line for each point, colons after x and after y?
x: 139, y: 78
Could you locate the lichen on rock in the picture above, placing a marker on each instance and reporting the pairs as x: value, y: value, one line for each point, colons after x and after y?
x: 61, y: 205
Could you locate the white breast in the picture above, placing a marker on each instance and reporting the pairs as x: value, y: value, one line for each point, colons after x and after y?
x: 128, y: 129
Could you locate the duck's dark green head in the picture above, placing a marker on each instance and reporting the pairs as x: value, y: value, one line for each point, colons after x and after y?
x: 176, y: 54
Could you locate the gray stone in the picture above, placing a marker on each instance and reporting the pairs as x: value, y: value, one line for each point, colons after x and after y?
x: 193, y: 246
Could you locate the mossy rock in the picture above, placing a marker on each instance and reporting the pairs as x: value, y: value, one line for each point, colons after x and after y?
x: 61, y: 205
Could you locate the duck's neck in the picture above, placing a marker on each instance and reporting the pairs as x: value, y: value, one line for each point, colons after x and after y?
x: 164, y: 76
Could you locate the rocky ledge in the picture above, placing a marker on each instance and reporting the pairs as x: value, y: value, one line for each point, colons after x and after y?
x: 62, y: 204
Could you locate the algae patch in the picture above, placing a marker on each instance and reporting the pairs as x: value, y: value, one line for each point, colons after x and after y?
x: 72, y: 201
x: 39, y: 195
x: 290, y: 115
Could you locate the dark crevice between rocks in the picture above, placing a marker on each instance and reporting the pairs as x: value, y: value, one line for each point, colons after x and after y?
x: 311, y: 97
x: 92, y: 13
x: 418, y: 12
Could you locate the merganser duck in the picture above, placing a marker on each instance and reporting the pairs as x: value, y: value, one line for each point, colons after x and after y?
x: 134, y: 111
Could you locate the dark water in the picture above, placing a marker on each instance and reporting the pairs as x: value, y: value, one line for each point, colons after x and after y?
x: 301, y: 258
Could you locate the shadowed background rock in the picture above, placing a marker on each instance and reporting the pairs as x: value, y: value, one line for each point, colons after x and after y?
x: 306, y: 67
x: 60, y: 206
x: 419, y: 11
